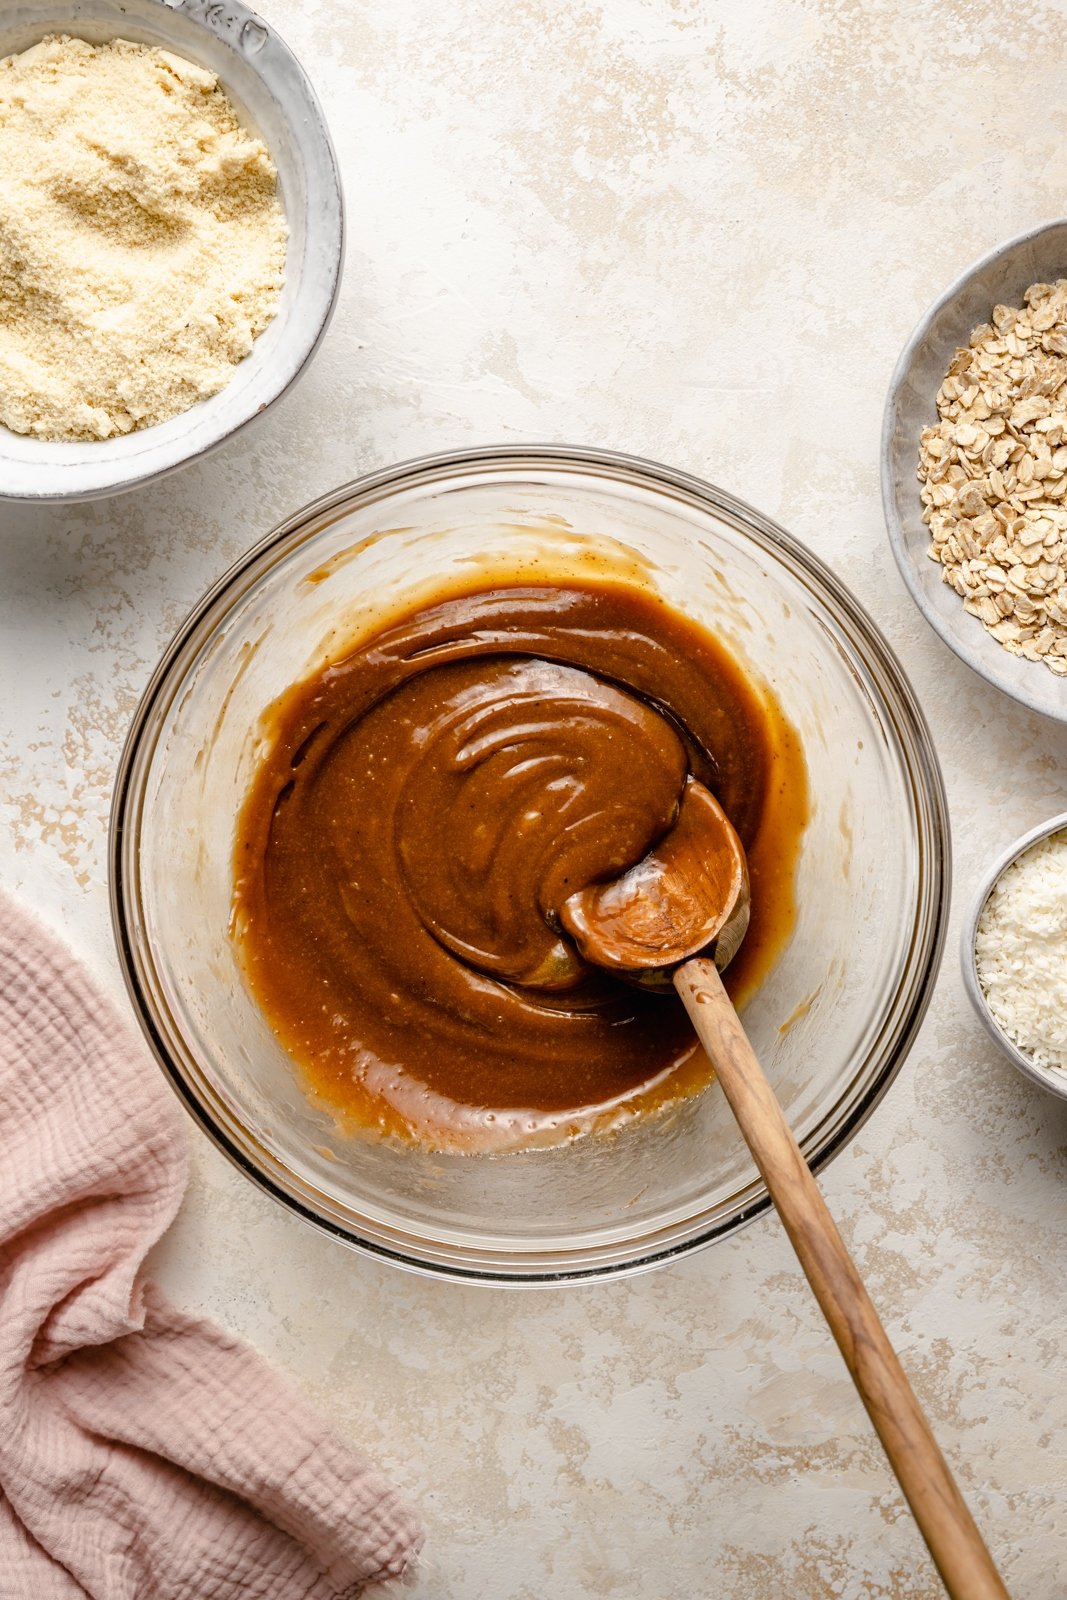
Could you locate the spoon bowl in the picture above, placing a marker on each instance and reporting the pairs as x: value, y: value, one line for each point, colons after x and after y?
x: 689, y: 896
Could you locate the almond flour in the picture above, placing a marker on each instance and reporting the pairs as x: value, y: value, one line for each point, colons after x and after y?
x: 142, y: 242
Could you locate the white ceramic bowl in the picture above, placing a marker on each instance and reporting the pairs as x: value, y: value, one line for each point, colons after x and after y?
x: 275, y: 99
x: 1048, y: 1077
x: 1000, y: 277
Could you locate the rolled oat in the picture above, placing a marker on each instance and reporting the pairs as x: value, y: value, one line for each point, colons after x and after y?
x: 993, y: 471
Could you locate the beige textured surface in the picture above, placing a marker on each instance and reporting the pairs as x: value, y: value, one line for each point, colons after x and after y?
x: 700, y: 232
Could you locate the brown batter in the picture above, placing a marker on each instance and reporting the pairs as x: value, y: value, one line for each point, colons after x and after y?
x: 430, y: 800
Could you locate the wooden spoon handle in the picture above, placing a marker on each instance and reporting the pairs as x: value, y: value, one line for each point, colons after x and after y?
x: 962, y: 1559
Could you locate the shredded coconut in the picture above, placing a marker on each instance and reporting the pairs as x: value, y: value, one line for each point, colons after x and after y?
x: 1021, y: 951
x: 142, y: 242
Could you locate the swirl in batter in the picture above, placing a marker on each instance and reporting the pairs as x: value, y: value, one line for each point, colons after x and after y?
x: 428, y: 802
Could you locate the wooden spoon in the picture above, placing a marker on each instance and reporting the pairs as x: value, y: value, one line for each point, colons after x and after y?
x: 691, y: 894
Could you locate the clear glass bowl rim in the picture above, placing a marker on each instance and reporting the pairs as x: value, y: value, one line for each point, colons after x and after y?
x: 898, y: 703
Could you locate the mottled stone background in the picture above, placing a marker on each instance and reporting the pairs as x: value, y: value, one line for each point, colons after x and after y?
x: 699, y: 230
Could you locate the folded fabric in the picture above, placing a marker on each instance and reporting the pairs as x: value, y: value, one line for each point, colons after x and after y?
x: 144, y: 1454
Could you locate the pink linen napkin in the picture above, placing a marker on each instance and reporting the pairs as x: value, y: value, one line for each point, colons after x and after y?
x: 144, y: 1454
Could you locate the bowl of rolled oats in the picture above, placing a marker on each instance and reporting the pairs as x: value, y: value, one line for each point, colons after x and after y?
x: 974, y: 467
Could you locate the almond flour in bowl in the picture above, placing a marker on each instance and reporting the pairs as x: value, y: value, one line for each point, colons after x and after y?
x: 142, y: 241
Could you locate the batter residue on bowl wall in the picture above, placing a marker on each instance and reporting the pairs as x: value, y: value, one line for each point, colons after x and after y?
x: 428, y: 801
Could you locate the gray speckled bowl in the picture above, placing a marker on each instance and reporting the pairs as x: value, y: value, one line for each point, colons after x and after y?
x: 274, y: 97
x: 1047, y: 1077
x: 1002, y: 276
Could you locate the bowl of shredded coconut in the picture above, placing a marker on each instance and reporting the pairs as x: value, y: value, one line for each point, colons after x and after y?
x: 171, y: 236
x: 1015, y: 954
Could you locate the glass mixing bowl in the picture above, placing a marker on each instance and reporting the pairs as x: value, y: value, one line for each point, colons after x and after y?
x: 833, y: 1020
